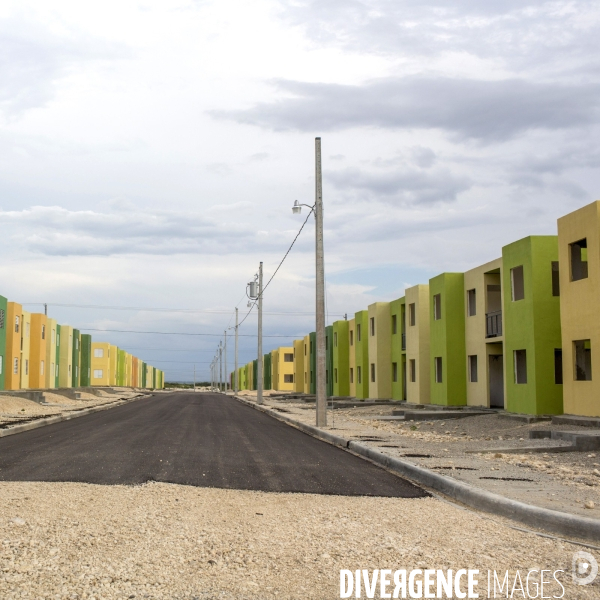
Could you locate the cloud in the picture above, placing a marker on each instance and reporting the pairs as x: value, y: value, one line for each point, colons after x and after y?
x: 489, y: 111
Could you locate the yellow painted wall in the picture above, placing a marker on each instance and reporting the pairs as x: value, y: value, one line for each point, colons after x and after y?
x: 128, y: 369
x: 12, y: 378
x: 579, y: 308
x: 282, y: 367
x: 417, y: 344
x: 50, y: 370
x: 380, y: 350
x: 352, y: 361
x: 102, y: 363
x: 299, y: 366
x: 478, y: 393
x: 25, y: 349
x: 306, y: 350
x: 65, y: 370
x: 38, y: 366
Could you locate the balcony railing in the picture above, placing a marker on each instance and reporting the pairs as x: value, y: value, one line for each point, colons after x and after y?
x: 403, y: 341
x: 493, y: 324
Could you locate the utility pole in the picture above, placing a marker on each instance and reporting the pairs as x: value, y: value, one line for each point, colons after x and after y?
x: 46, y: 309
x: 236, y: 382
x: 259, y: 365
x: 226, y: 373
x: 220, y: 366
x: 320, y: 289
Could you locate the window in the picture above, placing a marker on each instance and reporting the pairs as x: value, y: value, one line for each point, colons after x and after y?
x: 76, y: 343
x: 520, y: 357
x: 517, y: 283
x: 98, y: 352
x: 394, y: 324
x: 413, y: 369
x: 26, y: 367
x: 335, y: 376
x: 558, y: 369
x: 288, y: 357
x: 305, y: 378
x: 2, y: 316
x: 52, y: 370
x: 335, y: 339
x: 555, y: 279
x: 43, y: 332
x: 438, y: 369
x: 437, y: 307
x: 56, y: 372
x: 394, y: 372
x: 358, y: 375
x: 287, y: 378
x: 358, y: 332
x: 98, y: 373
x: 326, y: 341
x: 351, y: 375
x: 582, y: 351
x: 311, y: 347
x: 578, y: 255
x: 373, y: 372
x: 473, y: 368
x: 76, y: 371
x: 412, y: 314
x: 58, y: 339
x: 27, y: 329
x: 352, y: 337
x: 471, y: 303
x: 54, y: 336
x: 304, y: 349
x: 372, y: 325
x: 16, y: 366
x: 16, y: 324
x: 41, y: 367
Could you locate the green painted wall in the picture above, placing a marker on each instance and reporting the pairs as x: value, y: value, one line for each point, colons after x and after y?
x: 267, y: 372
x: 447, y: 340
x: 76, y: 371
x: 121, y: 367
x: 86, y: 360
x: 532, y: 324
x: 341, y: 358
x: 58, y: 343
x: 154, y: 379
x: 397, y: 310
x: 254, y: 374
x: 329, y: 359
x: 361, y: 348
x: 3, y: 325
x: 144, y: 366
x: 313, y: 362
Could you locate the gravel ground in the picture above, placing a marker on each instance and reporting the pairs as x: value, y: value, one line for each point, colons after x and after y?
x: 68, y: 540
x: 568, y: 481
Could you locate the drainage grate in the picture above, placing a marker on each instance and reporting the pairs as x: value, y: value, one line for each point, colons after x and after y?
x: 457, y: 468
x: 508, y: 479
x: 389, y: 446
x: 418, y: 455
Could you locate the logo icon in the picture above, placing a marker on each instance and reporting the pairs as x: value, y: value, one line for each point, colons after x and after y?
x: 585, y: 568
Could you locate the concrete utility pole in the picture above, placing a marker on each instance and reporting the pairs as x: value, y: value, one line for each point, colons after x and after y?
x: 259, y: 365
x: 320, y: 289
x: 236, y: 382
x: 226, y: 373
x: 220, y: 366
x: 46, y: 309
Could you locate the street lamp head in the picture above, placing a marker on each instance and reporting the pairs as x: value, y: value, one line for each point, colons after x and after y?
x: 297, y: 208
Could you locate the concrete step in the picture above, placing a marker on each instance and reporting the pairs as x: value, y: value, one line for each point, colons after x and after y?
x: 576, y: 420
x: 438, y: 415
x: 581, y: 441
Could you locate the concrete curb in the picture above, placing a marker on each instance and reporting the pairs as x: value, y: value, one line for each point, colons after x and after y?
x: 469, y: 495
x: 58, y: 418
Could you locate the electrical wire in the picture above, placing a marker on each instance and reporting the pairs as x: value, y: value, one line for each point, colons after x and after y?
x: 176, y: 333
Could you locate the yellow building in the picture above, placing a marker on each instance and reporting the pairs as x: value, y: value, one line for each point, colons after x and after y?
x: 380, y: 350
x: 282, y: 369
x: 14, y: 316
x: 299, y: 366
x: 50, y: 370
x: 25, y: 349
x: 112, y: 365
x: 352, y: 357
x: 101, y: 364
x: 128, y: 369
x: 417, y: 344
x: 484, y: 335
x: 579, y: 276
x: 306, y: 350
x: 38, y: 366
x: 65, y: 368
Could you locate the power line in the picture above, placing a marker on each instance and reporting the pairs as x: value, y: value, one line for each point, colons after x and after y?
x: 177, y: 333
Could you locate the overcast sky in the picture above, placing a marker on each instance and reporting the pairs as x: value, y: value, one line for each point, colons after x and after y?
x: 150, y: 153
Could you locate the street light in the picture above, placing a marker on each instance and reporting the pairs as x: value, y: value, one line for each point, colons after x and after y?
x: 317, y: 209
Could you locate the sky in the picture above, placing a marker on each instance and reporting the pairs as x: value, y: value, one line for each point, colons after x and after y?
x: 150, y: 153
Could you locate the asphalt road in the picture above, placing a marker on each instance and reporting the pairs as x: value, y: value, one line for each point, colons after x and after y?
x: 199, y: 439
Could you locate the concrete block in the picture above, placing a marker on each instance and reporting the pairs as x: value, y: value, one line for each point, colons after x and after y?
x: 438, y: 415
x: 525, y: 418
x: 576, y: 420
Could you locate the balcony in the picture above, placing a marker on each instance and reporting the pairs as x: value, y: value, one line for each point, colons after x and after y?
x: 404, y: 341
x: 493, y: 324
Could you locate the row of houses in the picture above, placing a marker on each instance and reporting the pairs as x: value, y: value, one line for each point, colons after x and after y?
x: 520, y: 333
x: 36, y: 352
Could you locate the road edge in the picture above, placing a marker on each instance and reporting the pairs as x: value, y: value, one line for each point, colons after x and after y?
x: 534, y: 516
x: 67, y: 417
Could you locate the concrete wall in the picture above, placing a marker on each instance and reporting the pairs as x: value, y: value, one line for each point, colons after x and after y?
x: 58, y: 345
x: 39, y: 342
x: 50, y: 378
x: 76, y: 370
x: 417, y: 344
x: 65, y: 373
x: 101, y: 363
x: 284, y: 366
x: 379, y: 332
x: 341, y: 359
x: 85, y: 371
x: 14, y: 325
x: 25, y: 349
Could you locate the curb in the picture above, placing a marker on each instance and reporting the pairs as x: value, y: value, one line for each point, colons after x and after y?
x: 58, y: 418
x: 469, y: 495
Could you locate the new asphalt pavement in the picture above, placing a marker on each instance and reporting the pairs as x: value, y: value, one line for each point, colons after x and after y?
x: 199, y: 439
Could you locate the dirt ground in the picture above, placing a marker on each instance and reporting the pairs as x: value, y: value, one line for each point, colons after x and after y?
x: 163, y: 541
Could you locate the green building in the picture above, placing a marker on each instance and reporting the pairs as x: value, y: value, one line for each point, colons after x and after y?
x: 448, y: 366
x: 267, y: 372
x: 85, y: 379
x: 57, y: 367
x: 254, y: 374
x: 329, y: 359
x: 76, y: 371
x: 398, y: 326
x: 361, y: 349
x: 3, y: 316
x: 312, y: 363
x: 121, y: 368
x: 341, y: 358
x: 532, y: 334
x: 144, y: 366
